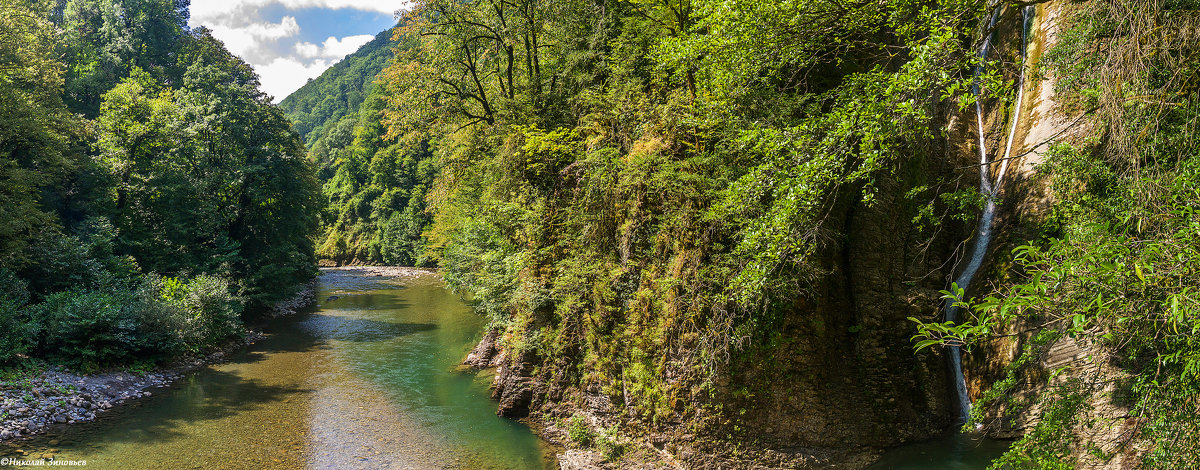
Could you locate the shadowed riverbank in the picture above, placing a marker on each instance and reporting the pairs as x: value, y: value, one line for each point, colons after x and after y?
x: 365, y: 379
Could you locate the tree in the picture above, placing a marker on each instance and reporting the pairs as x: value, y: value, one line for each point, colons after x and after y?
x: 37, y: 129
x: 105, y: 40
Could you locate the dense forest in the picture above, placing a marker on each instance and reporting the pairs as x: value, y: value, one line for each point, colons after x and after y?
x: 714, y: 234
x: 153, y: 198
x: 375, y: 187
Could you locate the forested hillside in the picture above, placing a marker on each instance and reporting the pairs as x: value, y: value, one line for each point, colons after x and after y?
x: 324, y: 101
x: 152, y: 197
x: 374, y: 186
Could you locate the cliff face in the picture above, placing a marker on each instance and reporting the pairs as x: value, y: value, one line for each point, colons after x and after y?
x: 1082, y: 365
x: 835, y: 379
x: 840, y: 382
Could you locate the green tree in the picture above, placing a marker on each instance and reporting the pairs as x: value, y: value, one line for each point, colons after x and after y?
x: 104, y: 41
x: 37, y: 128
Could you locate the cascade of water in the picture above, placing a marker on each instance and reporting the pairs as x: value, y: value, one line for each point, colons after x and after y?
x: 983, y: 233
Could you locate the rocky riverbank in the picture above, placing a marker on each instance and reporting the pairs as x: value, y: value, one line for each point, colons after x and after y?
x: 35, y: 400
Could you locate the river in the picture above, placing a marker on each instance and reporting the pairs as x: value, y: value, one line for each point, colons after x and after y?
x: 364, y: 380
x: 367, y: 379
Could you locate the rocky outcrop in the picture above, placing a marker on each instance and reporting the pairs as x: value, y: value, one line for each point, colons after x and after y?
x: 514, y: 386
x: 486, y: 353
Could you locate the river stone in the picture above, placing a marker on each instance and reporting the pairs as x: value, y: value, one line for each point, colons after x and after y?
x: 579, y: 460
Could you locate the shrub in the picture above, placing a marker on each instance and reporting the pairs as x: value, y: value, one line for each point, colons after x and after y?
x: 579, y: 431
x: 609, y: 445
x: 15, y: 334
x: 201, y: 311
x: 89, y: 329
x: 119, y: 325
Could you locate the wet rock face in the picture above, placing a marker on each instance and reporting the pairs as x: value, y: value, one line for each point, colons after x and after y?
x: 486, y: 353
x: 846, y: 375
x: 513, y: 386
x: 515, y: 399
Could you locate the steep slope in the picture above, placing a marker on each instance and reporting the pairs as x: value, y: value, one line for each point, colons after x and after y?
x: 1088, y: 353
x: 339, y: 91
x: 374, y: 187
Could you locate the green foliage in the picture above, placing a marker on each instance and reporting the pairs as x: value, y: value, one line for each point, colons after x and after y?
x: 1121, y: 274
x: 90, y: 329
x: 208, y: 178
x: 201, y: 312
x: 16, y: 336
x: 123, y: 324
x: 105, y: 41
x: 327, y: 101
x: 374, y: 186
x: 640, y: 193
x: 1117, y: 262
x: 37, y: 127
x: 579, y: 430
x: 179, y: 166
x: 1049, y: 444
x: 609, y: 444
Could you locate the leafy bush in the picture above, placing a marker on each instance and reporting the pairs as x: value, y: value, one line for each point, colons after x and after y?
x: 92, y: 328
x: 201, y: 311
x: 121, y: 325
x: 609, y: 446
x: 15, y: 335
x: 579, y: 431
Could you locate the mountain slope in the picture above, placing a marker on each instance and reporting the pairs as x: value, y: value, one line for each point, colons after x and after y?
x: 339, y: 91
x: 374, y: 189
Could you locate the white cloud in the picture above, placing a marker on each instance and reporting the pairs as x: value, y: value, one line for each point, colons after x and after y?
x: 282, y: 60
x: 252, y: 41
x: 203, y: 10
x: 284, y: 75
x: 333, y: 48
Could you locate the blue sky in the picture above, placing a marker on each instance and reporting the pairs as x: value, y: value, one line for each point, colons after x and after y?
x: 291, y: 41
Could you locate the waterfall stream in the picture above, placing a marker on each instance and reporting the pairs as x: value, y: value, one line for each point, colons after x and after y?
x: 990, y: 190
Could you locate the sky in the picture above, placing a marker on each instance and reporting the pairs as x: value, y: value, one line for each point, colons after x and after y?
x: 290, y: 41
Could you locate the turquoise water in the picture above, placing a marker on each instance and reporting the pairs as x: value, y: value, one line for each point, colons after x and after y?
x: 954, y: 451
x: 365, y: 380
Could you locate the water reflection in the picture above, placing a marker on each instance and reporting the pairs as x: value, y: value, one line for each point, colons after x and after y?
x: 365, y: 380
x: 954, y: 451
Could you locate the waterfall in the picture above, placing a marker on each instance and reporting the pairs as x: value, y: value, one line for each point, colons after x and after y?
x: 990, y: 190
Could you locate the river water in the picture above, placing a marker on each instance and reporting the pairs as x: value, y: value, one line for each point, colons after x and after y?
x: 365, y: 380
x: 953, y: 451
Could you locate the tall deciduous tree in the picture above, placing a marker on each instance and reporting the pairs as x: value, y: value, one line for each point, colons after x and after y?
x: 35, y: 127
